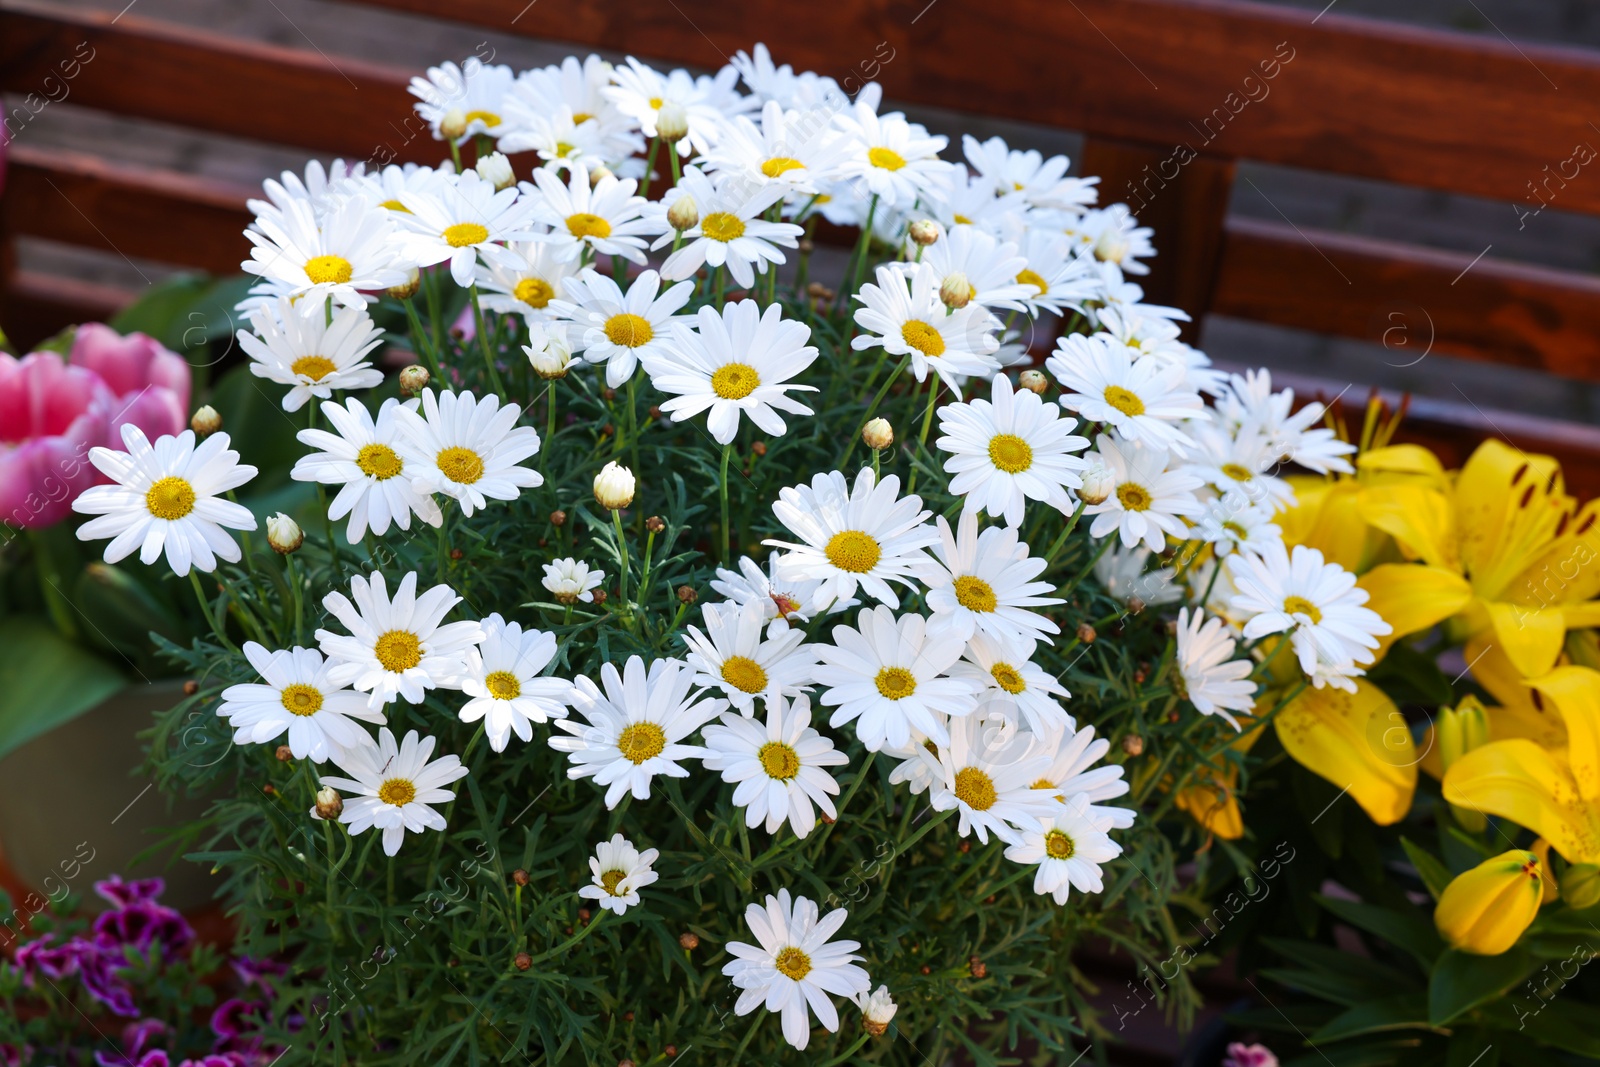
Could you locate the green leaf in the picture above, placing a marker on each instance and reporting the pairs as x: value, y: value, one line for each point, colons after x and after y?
x: 1435, y: 875
x: 1396, y: 1013
x: 1407, y: 930
x: 45, y: 681
x: 1557, y: 1022
x: 1379, y: 979
x: 1409, y: 677
x: 1339, y: 988
x: 1462, y: 981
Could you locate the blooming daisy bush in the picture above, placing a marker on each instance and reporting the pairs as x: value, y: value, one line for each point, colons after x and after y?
x: 712, y: 639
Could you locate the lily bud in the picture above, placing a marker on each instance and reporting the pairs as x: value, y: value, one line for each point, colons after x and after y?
x: 1034, y: 381
x: 877, y: 434
x: 956, y: 292
x: 454, y: 123
x: 409, y: 289
x: 925, y: 232
x: 329, y: 804
x: 1486, y: 909
x: 614, y: 486
x: 206, y: 421
x: 495, y: 169
x: 672, y: 122
x: 413, y: 380
x: 1459, y: 730
x: 684, y: 214
x: 1098, y: 483
x: 1580, y: 885
x: 284, y: 534
x: 877, y: 1011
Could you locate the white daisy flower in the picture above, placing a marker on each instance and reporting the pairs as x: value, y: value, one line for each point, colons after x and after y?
x: 851, y: 538
x: 897, y: 161
x: 768, y: 81
x: 1043, y: 182
x: 1231, y: 523
x: 877, y: 1010
x: 167, y: 497
x: 382, y: 188
x: 730, y: 231
x: 776, y: 767
x: 791, y: 601
x: 985, y: 774
x: 564, y: 138
x: 796, y: 150
x: 633, y: 730
x: 734, y: 656
x: 967, y: 256
x: 903, y: 314
x: 577, y: 85
x: 620, y: 871
x: 912, y: 769
x: 361, y: 456
x: 1150, y: 499
x: 795, y: 964
x: 298, y: 699
x: 468, y: 447
x: 1068, y: 849
x: 890, y: 675
x: 1124, y: 574
x: 394, y: 787
x: 1010, y: 450
x: 570, y: 581
x: 502, y: 676
x: 527, y: 285
x: 618, y: 330
x: 1012, y: 685
x: 965, y: 200
x: 1213, y: 680
x: 1057, y: 281
x: 399, y: 647
x: 602, y: 220
x: 349, y: 248
x: 1144, y: 400
x: 300, y: 347
x: 1316, y: 602
x: 738, y: 361
x: 474, y: 89
x: 1113, y: 235
x: 459, y: 220
x: 1243, y: 462
x: 1071, y: 757
x: 1249, y: 400
x: 985, y: 583
x: 319, y: 188
x: 641, y: 93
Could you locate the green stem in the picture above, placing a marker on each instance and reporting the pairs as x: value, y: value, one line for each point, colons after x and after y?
x: 649, y: 166
x: 211, y: 617
x: 55, y: 600
x: 859, y: 259
x: 872, y: 409
x: 483, y: 341
x: 722, y: 486
x: 566, y: 945
x: 419, y: 337
x: 1050, y: 556
x: 851, y: 1051
x: 1105, y: 544
x: 927, y: 421
x: 622, y: 555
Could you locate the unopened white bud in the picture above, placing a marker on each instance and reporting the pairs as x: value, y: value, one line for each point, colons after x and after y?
x: 548, y: 353
x: 454, y: 124
x: 330, y: 805
x: 877, y: 434
x: 1098, y: 483
x: 413, y: 380
x: 672, y: 122
x: 1034, y: 381
x: 206, y: 421
x: 614, y: 486
x: 684, y: 214
x: 1111, y: 246
x: 409, y: 288
x: 877, y: 1010
x: 925, y: 232
x: 956, y: 291
x: 283, y: 534
x: 599, y: 174
x: 495, y: 169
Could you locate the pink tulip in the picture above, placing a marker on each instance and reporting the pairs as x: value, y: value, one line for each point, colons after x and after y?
x: 51, y: 414
x: 151, y: 384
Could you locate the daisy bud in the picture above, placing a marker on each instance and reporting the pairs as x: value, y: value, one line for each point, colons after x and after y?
x: 1086, y: 633
x: 977, y: 968
x: 925, y: 232
x: 283, y: 534
x: 520, y: 876
x: 1034, y: 381
x: 1133, y: 745
x: 206, y: 421
x: 689, y: 940
x: 558, y: 518
x: 495, y: 169
x: 1111, y: 246
x: 1485, y: 910
x: 284, y: 753
x: 191, y: 687
x: 684, y: 214
x: 877, y: 434
x: 413, y: 380
x: 454, y: 123
x: 1580, y: 885
x: 877, y: 1010
x: 759, y: 448
x: 550, y: 361
x: 654, y: 524
x: 1098, y: 483
x: 956, y: 292
x: 329, y: 803
x: 597, y: 597
x: 408, y: 290
x: 599, y: 174
x: 522, y: 961
x: 687, y: 595
x: 614, y: 486
x: 672, y: 122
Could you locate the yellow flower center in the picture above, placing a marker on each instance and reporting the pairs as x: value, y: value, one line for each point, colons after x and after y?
x: 887, y: 158
x: 1238, y: 531
x: 463, y: 234
x: 380, y: 461
x: 655, y: 102
x: 398, y: 650
x: 395, y: 205
x: 744, y: 674
x: 328, y: 270
x: 922, y: 337
x: 853, y: 551
x: 722, y: 226
x: 896, y: 683
x: 1299, y: 605
x: 460, y: 465
x: 610, y: 880
x: 975, y: 789
x: 975, y: 594
x: 584, y: 225
x: 503, y: 685
x: 779, y: 165
x: 170, y: 498
x: 1124, y: 401
x: 563, y: 149
x: 579, y: 118
x: 1237, y: 471
x: 735, y: 381
x: 787, y: 605
x: 1033, y: 278
x: 397, y: 791
x: 535, y: 292
x: 488, y: 118
x: 1008, y: 678
x: 792, y: 963
x: 314, y: 367
x: 1134, y: 497
x: 302, y: 700
x: 1058, y: 846
x: 1044, y: 783
x: 961, y: 220
x: 641, y: 741
x: 779, y: 760
x: 1010, y: 453
x: 628, y: 330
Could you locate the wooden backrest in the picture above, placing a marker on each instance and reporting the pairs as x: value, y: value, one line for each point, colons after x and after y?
x: 1168, y: 92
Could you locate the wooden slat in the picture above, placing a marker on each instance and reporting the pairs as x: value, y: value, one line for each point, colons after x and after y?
x: 1351, y: 286
x: 35, y: 306
x: 132, y: 211
x: 205, y: 81
x: 1356, y: 96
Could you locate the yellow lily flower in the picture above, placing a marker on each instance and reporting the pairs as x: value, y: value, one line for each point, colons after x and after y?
x: 1358, y: 741
x: 1486, y: 909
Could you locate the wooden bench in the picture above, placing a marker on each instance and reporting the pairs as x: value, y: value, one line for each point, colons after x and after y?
x: 1169, y: 93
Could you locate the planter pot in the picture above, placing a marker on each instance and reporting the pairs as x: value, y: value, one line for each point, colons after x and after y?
x: 74, y: 807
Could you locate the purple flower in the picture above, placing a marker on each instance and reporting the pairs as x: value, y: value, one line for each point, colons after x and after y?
x: 135, y: 1039
x: 121, y: 893
x: 1242, y: 1055
x: 12, y: 1056
x: 235, y: 1017
x: 55, y: 962
x: 141, y: 923
x: 257, y: 972
x: 156, y: 1058
x: 98, y: 972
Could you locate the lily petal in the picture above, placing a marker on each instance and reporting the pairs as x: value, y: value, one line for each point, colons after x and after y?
x: 1532, y: 637
x: 1522, y: 782
x: 1358, y: 741
x: 1575, y: 691
x: 1413, y: 597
